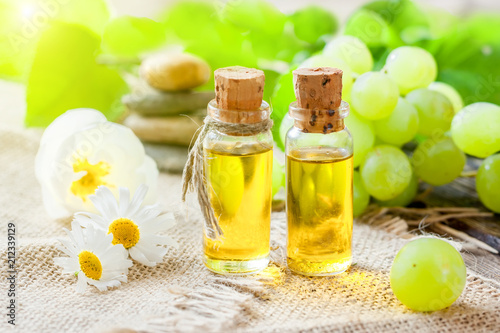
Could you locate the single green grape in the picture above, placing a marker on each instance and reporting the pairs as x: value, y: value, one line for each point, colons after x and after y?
x: 400, y: 127
x: 411, y: 67
x: 386, y: 172
x: 435, y: 111
x: 363, y: 136
x: 278, y: 176
x: 405, y: 198
x: 352, y: 51
x: 438, y: 161
x: 476, y: 129
x: 488, y: 183
x: 323, y: 60
x: 370, y: 27
x: 428, y: 274
x: 312, y: 22
x: 450, y: 92
x: 361, y: 198
x: 374, y: 95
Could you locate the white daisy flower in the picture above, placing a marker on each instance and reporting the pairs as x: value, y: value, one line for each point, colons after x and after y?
x: 80, y: 151
x: 133, y: 226
x: 92, y: 258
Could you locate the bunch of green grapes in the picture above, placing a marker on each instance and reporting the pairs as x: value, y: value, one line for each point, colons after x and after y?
x: 400, y: 104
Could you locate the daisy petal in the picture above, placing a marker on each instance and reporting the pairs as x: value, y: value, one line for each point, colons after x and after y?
x: 124, y: 201
x: 139, y: 195
x: 81, y: 284
x: 139, y: 257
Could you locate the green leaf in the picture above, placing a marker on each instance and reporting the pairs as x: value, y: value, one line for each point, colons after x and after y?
x: 130, y: 36
x: 400, y: 14
x: 23, y: 21
x: 283, y: 95
x: 255, y: 15
x: 485, y: 28
x: 272, y: 77
x: 93, y: 14
x: 66, y: 76
x: 196, y: 26
x: 312, y: 22
x: 468, y: 58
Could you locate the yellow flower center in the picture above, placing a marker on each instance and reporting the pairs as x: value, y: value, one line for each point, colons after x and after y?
x: 87, y: 185
x: 124, y: 232
x: 90, y: 265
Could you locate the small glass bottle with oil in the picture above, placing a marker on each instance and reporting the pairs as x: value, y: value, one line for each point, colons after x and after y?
x: 319, y: 173
x: 238, y: 174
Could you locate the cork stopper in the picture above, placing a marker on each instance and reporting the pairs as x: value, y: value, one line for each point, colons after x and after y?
x: 238, y: 89
x: 319, y: 96
x: 318, y: 88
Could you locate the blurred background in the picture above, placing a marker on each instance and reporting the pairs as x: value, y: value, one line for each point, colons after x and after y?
x: 274, y: 35
x: 341, y: 8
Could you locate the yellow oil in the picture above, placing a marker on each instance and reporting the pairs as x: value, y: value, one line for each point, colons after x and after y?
x: 319, y: 210
x: 239, y: 184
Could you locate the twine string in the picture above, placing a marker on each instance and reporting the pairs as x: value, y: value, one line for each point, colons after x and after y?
x: 193, y: 177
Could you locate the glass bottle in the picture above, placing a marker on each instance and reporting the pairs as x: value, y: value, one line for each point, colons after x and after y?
x: 319, y: 171
x: 238, y: 174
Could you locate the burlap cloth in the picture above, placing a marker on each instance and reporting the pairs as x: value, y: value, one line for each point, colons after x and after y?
x: 180, y: 295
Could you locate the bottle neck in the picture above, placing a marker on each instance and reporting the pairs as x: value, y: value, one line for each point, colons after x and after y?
x: 240, y: 122
x: 239, y: 116
x: 319, y: 121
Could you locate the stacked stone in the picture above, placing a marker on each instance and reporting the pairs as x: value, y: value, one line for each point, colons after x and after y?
x: 164, y: 109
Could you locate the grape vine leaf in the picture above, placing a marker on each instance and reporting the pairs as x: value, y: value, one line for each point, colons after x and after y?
x: 312, y: 22
x: 280, y: 100
x: 130, y: 36
x: 65, y: 76
x: 23, y: 21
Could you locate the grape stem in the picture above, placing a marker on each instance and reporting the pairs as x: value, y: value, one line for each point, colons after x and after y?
x: 469, y: 174
x: 398, y: 220
x: 442, y: 228
x: 441, y: 218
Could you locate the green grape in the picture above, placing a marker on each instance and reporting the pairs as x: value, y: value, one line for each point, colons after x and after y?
x: 435, y: 111
x: 405, y: 198
x: 361, y: 198
x: 476, y: 129
x: 374, y: 95
x: 450, y: 92
x: 386, y: 172
x: 131, y: 36
x: 363, y: 136
x: 428, y: 274
x: 411, y: 67
x: 278, y: 176
x: 400, y: 127
x: 368, y: 26
x: 322, y: 60
x: 352, y: 51
x: 312, y: 22
x: 286, y: 124
x: 438, y: 161
x: 488, y: 183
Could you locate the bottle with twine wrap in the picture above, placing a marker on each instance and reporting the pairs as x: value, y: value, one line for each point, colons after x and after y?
x: 234, y: 141
x: 319, y: 153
